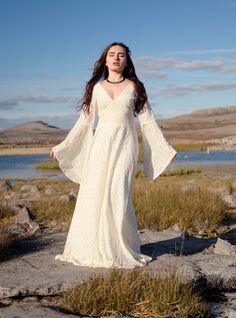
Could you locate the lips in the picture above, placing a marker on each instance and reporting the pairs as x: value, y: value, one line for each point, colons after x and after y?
x: 116, y: 64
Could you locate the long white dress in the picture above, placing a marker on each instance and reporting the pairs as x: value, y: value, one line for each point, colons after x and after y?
x: 103, y: 230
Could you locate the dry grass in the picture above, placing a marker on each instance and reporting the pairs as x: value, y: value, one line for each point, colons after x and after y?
x: 6, y: 237
x: 160, y: 205
x: 53, y: 210
x: 136, y: 294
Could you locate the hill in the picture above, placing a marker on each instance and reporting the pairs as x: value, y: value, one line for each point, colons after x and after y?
x: 210, y: 125
x: 36, y: 132
x: 206, y: 125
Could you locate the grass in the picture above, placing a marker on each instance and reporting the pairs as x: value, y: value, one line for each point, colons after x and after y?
x: 48, y: 164
x: 136, y: 294
x: 160, y: 205
x: 53, y: 210
x: 6, y: 237
x: 191, y: 146
x: 180, y: 171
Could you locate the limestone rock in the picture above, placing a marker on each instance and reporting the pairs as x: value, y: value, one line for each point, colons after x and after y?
x: 223, y: 247
x: 6, y: 185
x: 230, y: 199
x: 32, y: 188
x: 25, y: 216
x: 50, y: 190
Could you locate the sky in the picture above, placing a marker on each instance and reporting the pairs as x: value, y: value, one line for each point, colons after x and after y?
x: 183, y: 51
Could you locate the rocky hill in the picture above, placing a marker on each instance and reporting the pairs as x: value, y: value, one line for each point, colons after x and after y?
x: 210, y: 125
x: 36, y: 132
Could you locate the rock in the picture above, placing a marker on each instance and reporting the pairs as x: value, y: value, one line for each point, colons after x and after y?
x: 25, y: 216
x: 6, y: 185
x: 191, y: 185
x: 230, y: 199
x: 65, y: 198
x: 73, y: 194
x: 34, y: 310
x: 50, y: 190
x: 35, y: 257
x: 223, y: 247
x: 30, y: 187
x: 175, y: 227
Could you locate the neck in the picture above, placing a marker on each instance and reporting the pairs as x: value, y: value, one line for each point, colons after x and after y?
x: 115, y: 77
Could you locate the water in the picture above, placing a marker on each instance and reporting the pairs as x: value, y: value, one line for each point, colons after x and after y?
x: 23, y: 166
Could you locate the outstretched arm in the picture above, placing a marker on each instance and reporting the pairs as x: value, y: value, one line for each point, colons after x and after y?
x: 157, y: 152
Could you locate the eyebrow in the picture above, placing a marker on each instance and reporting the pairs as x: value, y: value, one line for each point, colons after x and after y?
x: 118, y: 52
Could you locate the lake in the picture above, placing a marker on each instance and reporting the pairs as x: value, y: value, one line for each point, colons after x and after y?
x: 23, y: 166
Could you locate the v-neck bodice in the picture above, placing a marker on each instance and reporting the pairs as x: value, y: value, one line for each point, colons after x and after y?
x: 115, y: 111
x: 120, y: 94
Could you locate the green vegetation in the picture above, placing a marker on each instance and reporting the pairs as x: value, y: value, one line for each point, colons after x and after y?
x: 180, y: 171
x: 136, y: 294
x: 48, y: 164
x: 191, y: 146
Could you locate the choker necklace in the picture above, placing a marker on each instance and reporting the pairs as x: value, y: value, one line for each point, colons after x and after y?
x: 123, y: 79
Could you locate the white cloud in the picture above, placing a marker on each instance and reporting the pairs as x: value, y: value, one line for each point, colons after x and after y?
x: 173, y: 91
x: 155, y: 67
x: 8, y: 104
x: 12, y: 103
x: 42, y: 99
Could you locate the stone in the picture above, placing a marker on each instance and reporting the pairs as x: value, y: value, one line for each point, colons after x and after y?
x: 6, y: 185
x: 223, y: 247
x: 191, y: 185
x: 73, y: 194
x: 30, y: 187
x: 230, y: 199
x: 50, y: 190
x: 26, y: 217
x: 65, y: 198
x: 35, y: 258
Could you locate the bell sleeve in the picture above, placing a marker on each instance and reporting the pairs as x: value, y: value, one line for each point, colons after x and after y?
x: 73, y: 151
x: 157, y: 152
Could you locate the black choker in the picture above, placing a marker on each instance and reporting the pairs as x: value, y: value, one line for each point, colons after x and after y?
x: 123, y: 79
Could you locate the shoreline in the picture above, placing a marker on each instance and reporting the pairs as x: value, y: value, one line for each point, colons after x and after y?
x: 25, y: 151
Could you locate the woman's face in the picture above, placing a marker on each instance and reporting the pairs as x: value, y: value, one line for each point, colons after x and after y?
x: 116, y: 59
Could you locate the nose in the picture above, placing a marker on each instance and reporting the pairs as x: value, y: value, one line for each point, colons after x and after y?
x: 117, y: 57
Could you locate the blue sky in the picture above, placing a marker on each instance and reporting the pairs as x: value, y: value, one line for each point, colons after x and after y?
x: 183, y: 50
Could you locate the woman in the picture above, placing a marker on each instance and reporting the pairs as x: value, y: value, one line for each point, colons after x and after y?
x: 103, y: 230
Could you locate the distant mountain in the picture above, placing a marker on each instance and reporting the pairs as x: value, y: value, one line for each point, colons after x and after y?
x: 36, y: 132
x: 216, y: 125
x: 201, y: 125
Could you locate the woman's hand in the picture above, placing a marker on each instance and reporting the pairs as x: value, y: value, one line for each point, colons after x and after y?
x: 52, y: 154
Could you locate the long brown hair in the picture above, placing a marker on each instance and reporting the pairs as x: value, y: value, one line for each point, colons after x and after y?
x: 100, y: 72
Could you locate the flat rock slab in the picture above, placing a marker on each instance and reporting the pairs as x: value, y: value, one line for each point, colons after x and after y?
x: 31, y: 270
x: 33, y: 311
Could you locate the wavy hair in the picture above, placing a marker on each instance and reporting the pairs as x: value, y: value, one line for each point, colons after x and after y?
x: 100, y: 72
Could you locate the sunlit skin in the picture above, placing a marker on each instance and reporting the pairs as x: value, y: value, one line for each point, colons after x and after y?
x: 116, y: 60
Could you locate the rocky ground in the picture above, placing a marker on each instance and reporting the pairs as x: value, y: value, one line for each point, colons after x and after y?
x: 31, y: 279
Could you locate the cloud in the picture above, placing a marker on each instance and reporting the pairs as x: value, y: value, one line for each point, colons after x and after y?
x: 29, y: 76
x: 42, y: 99
x: 153, y: 66
x: 181, y: 90
x: 8, y: 104
x: 12, y: 103
x: 202, y: 51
